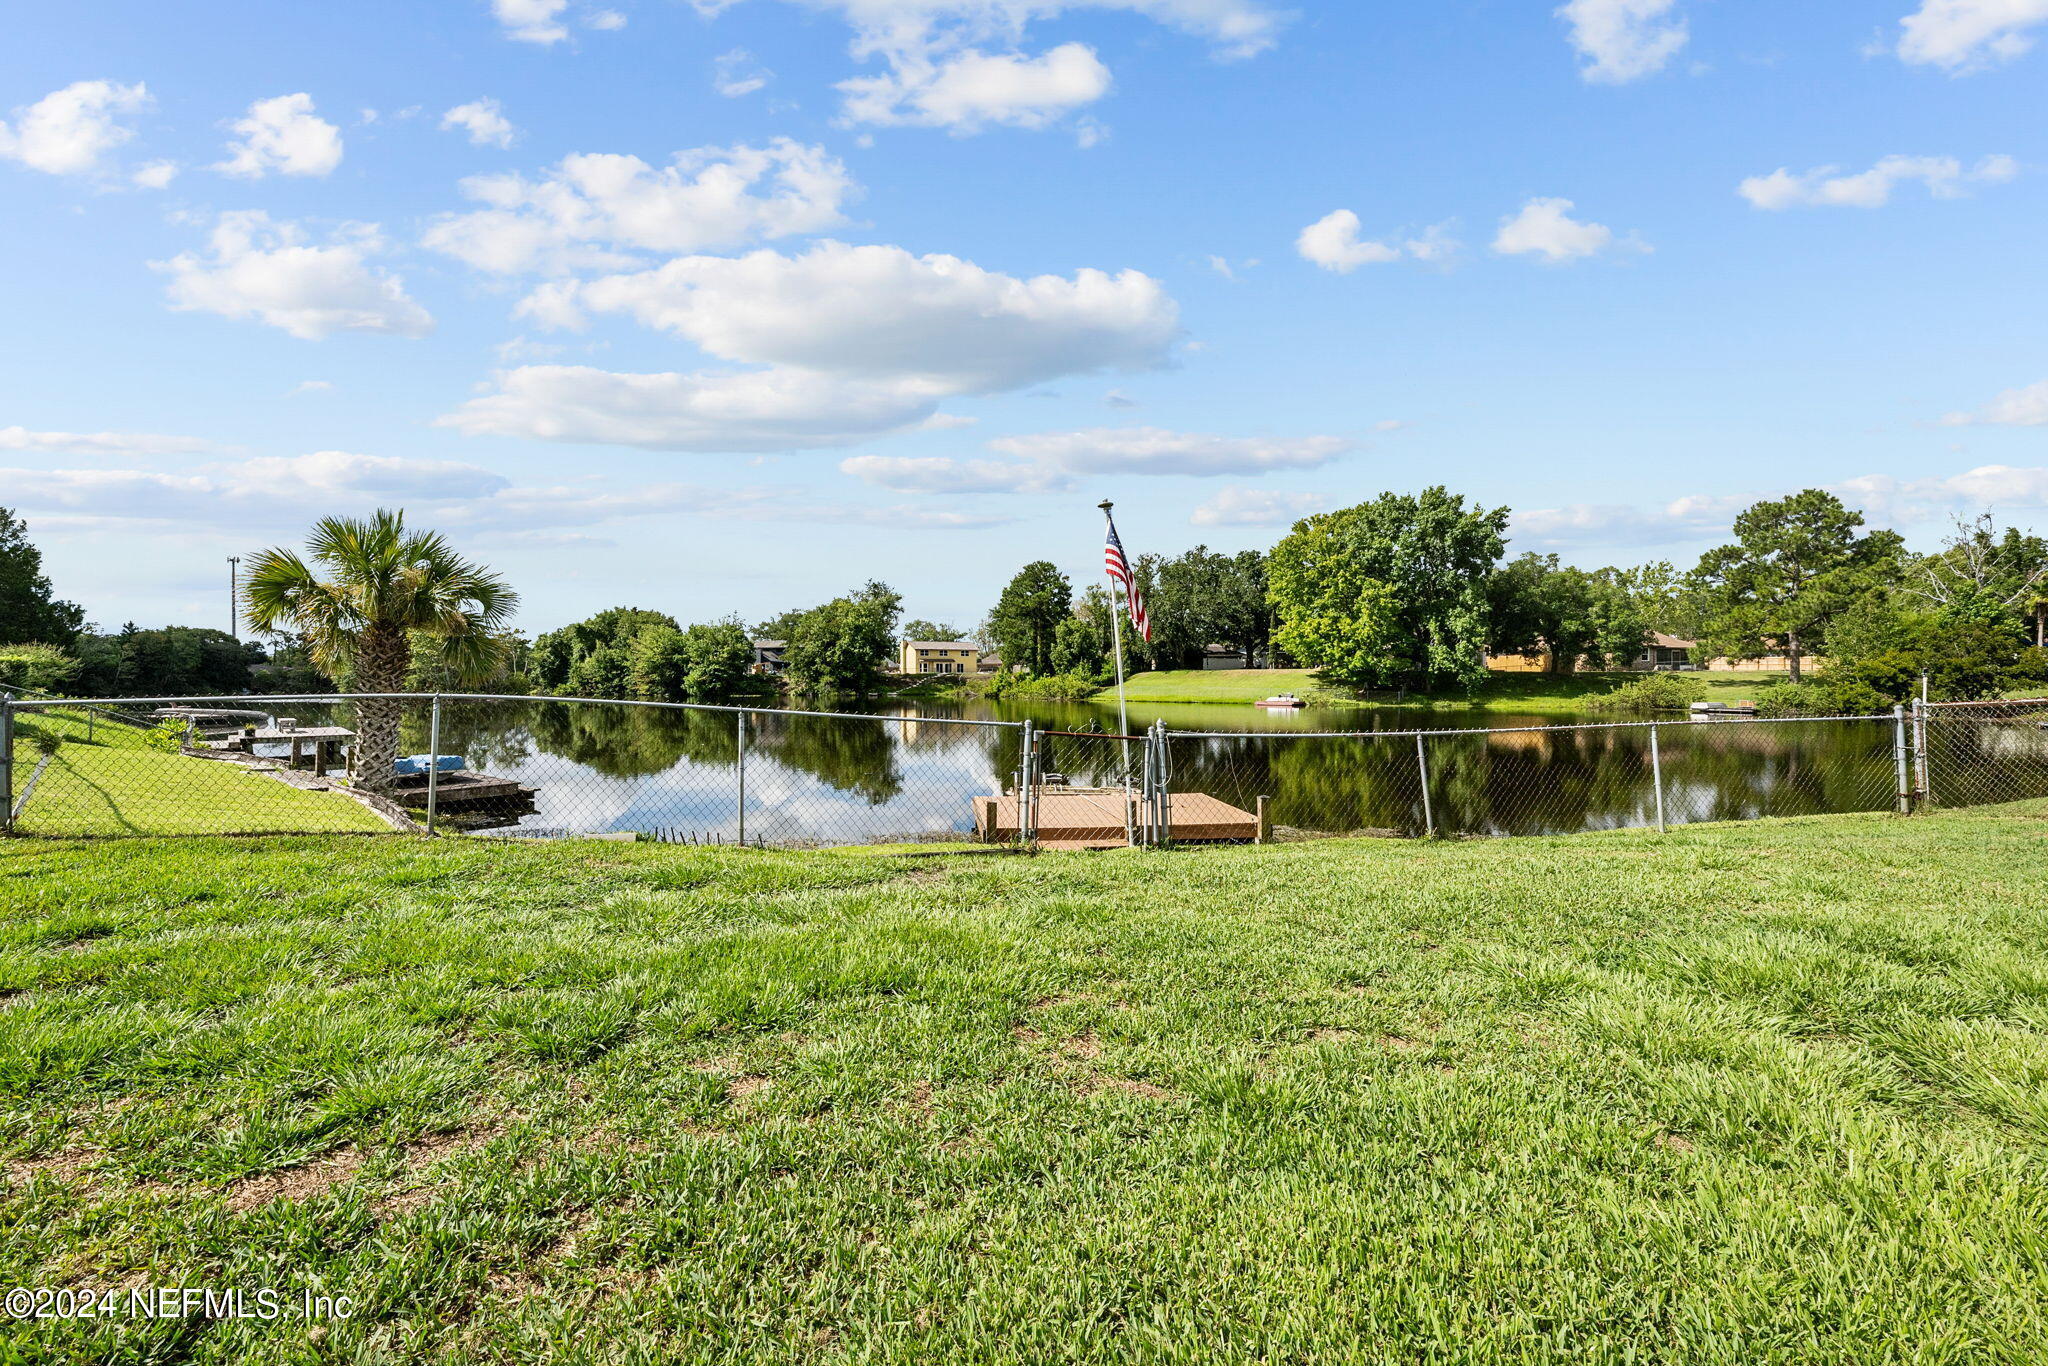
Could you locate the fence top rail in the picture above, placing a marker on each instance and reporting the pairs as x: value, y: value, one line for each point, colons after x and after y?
x: 41, y: 704
x: 1886, y: 717
x: 1993, y: 702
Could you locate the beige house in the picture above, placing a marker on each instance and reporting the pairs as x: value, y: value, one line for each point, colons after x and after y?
x: 939, y: 657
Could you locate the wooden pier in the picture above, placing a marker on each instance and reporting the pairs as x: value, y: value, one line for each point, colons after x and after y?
x: 463, y: 790
x: 1099, y: 818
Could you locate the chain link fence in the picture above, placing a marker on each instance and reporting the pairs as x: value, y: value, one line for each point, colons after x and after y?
x: 545, y: 767
x: 1984, y: 753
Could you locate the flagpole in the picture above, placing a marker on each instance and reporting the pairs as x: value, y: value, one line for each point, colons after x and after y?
x: 1123, y: 719
x: 1116, y: 633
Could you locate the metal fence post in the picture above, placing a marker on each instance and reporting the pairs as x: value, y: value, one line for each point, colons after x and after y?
x: 1027, y: 784
x: 1923, y: 789
x: 1164, y: 779
x: 739, y: 722
x: 1657, y: 776
x: 1422, y: 766
x: 1899, y: 754
x: 433, y: 763
x: 7, y: 761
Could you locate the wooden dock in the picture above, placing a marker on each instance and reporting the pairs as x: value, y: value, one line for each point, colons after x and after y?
x: 1076, y: 818
x: 464, y: 790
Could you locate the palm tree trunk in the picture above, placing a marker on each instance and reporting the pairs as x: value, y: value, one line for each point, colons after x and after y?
x: 381, y: 659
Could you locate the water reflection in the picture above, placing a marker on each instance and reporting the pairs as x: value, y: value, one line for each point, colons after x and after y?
x: 910, y: 773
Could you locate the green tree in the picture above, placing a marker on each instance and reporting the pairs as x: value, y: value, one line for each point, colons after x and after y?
x: 1077, y: 648
x: 28, y: 611
x: 1982, y: 577
x: 370, y: 589
x: 192, y: 661
x: 843, y: 645
x: 1028, y: 615
x: 557, y: 655
x: 36, y: 668
x: 1576, y: 615
x: 1389, y: 592
x: 720, y: 653
x: 658, y: 665
x: 920, y: 629
x: 1796, y: 563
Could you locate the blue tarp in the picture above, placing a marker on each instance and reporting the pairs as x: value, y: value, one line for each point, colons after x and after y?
x: 420, y: 763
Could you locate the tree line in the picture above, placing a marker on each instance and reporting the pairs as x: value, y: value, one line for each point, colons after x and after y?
x: 1415, y: 591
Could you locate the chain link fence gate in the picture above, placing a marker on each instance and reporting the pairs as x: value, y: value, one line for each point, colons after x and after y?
x: 1984, y: 753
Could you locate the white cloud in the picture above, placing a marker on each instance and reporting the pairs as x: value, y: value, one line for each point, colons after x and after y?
x: 766, y: 410
x: 605, y: 20
x: 1333, y: 242
x: 735, y: 74
x: 970, y: 90
x: 879, y: 313
x: 941, y: 474
x: 1969, y: 35
x: 485, y: 122
x: 1901, y: 501
x: 531, y: 21
x: 285, y: 135
x: 961, y: 63
x: 1691, y: 518
x: 70, y: 131
x: 265, y: 270
x: 229, y: 493
x: 1883, y: 498
x: 99, y: 443
x: 851, y: 342
x: 1257, y: 507
x: 155, y: 175
x: 341, y: 472
x: 1944, y: 177
x: 1623, y: 40
x: 313, y: 386
x: 2027, y: 407
x: 587, y: 209
x: 1545, y: 228
x: 1154, y: 450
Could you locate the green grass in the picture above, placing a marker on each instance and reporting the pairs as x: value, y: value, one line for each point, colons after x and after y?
x: 114, y: 784
x: 1773, y: 1093
x: 1500, y: 692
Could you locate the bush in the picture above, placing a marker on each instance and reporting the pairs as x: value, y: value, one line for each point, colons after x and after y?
x: 1654, y: 692
x: 166, y: 737
x: 1047, y: 688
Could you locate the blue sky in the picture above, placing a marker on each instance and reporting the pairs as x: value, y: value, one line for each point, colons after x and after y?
x: 728, y: 305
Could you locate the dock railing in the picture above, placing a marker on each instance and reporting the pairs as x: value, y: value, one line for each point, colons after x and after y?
x: 522, y: 767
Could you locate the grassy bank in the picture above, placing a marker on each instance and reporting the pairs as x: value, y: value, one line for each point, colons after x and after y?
x: 1500, y: 692
x: 1742, y: 1094
x: 104, y: 780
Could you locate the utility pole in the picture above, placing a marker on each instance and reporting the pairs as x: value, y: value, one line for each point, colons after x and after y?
x: 235, y: 596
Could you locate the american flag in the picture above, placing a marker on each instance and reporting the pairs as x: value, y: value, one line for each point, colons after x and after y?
x: 1120, y: 570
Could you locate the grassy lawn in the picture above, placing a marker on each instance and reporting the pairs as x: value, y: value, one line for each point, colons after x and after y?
x: 1501, y: 691
x: 1773, y: 1093
x: 113, y: 784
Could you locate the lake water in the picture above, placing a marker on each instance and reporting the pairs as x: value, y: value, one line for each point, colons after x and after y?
x: 908, y: 772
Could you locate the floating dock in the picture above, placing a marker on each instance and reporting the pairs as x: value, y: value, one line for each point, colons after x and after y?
x: 1099, y: 818
x: 464, y: 790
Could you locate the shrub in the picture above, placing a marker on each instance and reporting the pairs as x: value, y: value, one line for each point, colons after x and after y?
x: 166, y: 737
x: 1654, y: 692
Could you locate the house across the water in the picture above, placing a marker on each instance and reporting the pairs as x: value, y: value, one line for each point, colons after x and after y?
x: 939, y: 657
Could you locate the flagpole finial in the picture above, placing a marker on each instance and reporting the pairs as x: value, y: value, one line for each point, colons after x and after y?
x: 1105, y: 505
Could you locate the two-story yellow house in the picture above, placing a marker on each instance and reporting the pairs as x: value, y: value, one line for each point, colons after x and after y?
x: 940, y: 657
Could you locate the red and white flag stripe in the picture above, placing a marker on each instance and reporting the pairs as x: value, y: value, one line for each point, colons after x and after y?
x: 1120, y: 570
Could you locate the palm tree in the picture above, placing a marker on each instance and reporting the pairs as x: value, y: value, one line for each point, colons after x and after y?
x: 370, y: 589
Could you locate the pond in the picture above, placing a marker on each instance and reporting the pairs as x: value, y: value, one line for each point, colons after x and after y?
x: 907, y: 772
